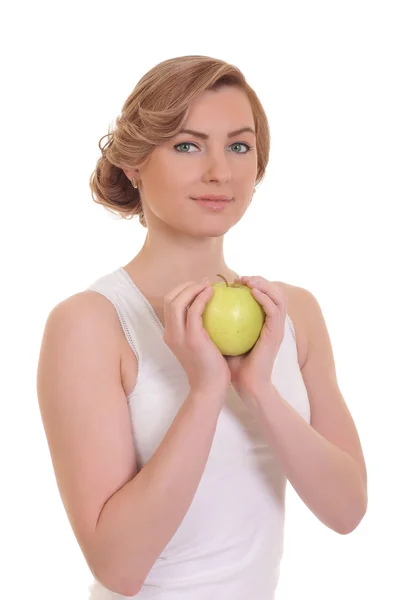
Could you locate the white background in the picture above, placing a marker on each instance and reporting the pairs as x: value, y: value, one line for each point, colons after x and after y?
x: 327, y: 74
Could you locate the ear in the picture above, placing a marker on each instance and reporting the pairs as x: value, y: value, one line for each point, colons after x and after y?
x: 131, y: 173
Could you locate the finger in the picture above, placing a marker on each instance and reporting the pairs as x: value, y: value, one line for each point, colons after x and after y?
x: 269, y: 306
x: 194, y: 322
x: 275, y: 313
x: 175, y: 307
x: 268, y: 288
x: 168, y: 298
x: 170, y: 320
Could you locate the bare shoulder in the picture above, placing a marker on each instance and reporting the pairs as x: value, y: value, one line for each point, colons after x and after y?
x: 297, y: 302
x: 92, y: 308
x: 88, y: 300
x: 94, y: 312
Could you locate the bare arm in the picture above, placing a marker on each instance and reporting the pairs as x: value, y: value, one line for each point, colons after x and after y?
x: 122, y: 519
x: 329, y: 480
x: 139, y: 520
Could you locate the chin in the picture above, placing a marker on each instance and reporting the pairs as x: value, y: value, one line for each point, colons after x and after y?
x: 217, y: 228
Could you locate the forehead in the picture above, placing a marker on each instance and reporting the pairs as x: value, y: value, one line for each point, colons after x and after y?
x: 227, y: 108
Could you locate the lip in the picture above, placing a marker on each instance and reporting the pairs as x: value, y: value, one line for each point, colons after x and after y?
x: 213, y: 205
x: 213, y: 197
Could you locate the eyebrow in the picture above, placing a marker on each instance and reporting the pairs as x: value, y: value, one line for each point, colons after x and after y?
x: 204, y: 136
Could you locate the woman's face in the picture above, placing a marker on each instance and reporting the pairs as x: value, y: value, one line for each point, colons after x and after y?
x: 189, y: 165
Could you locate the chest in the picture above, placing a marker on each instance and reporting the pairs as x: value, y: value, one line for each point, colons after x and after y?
x: 129, y: 362
x: 163, y: 387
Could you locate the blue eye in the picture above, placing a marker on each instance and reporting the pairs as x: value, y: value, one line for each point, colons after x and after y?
x: 248, y: 148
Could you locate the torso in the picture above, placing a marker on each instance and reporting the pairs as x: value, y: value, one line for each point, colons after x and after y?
x: 129, y: 361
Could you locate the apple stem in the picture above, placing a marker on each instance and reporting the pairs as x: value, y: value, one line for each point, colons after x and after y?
x: 222, y: 277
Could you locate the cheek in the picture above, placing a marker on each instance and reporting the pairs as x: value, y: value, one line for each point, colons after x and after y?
x: 173, y: 171
x: 183, y: 177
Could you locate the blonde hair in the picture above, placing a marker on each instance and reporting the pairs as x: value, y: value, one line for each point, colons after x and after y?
x: 154, y: 113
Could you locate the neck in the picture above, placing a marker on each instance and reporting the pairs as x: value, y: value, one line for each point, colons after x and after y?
x: 163, y: 264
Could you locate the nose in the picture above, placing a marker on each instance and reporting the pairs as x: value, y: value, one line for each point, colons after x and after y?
x: 217, y: 167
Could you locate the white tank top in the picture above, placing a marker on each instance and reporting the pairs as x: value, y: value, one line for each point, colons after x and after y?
x: 229, y: 545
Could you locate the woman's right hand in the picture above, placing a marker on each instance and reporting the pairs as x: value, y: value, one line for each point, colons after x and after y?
x: 205, y: 366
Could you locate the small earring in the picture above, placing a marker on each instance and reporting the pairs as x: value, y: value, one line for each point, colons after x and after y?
x: 134, y: 182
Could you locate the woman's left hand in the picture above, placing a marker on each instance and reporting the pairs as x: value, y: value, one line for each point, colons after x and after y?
x: 251, y: 372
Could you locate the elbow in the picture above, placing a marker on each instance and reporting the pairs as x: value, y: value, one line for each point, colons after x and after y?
x: 125, y: 591
x: 350, y: 526
x: 116, y: 583
x: 347, y: 530
x: 119, y: 587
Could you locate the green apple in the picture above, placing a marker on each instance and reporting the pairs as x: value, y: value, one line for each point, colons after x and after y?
x: 233, y: 318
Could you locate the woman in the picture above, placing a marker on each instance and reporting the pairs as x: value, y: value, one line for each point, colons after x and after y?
x: 172, y: 459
